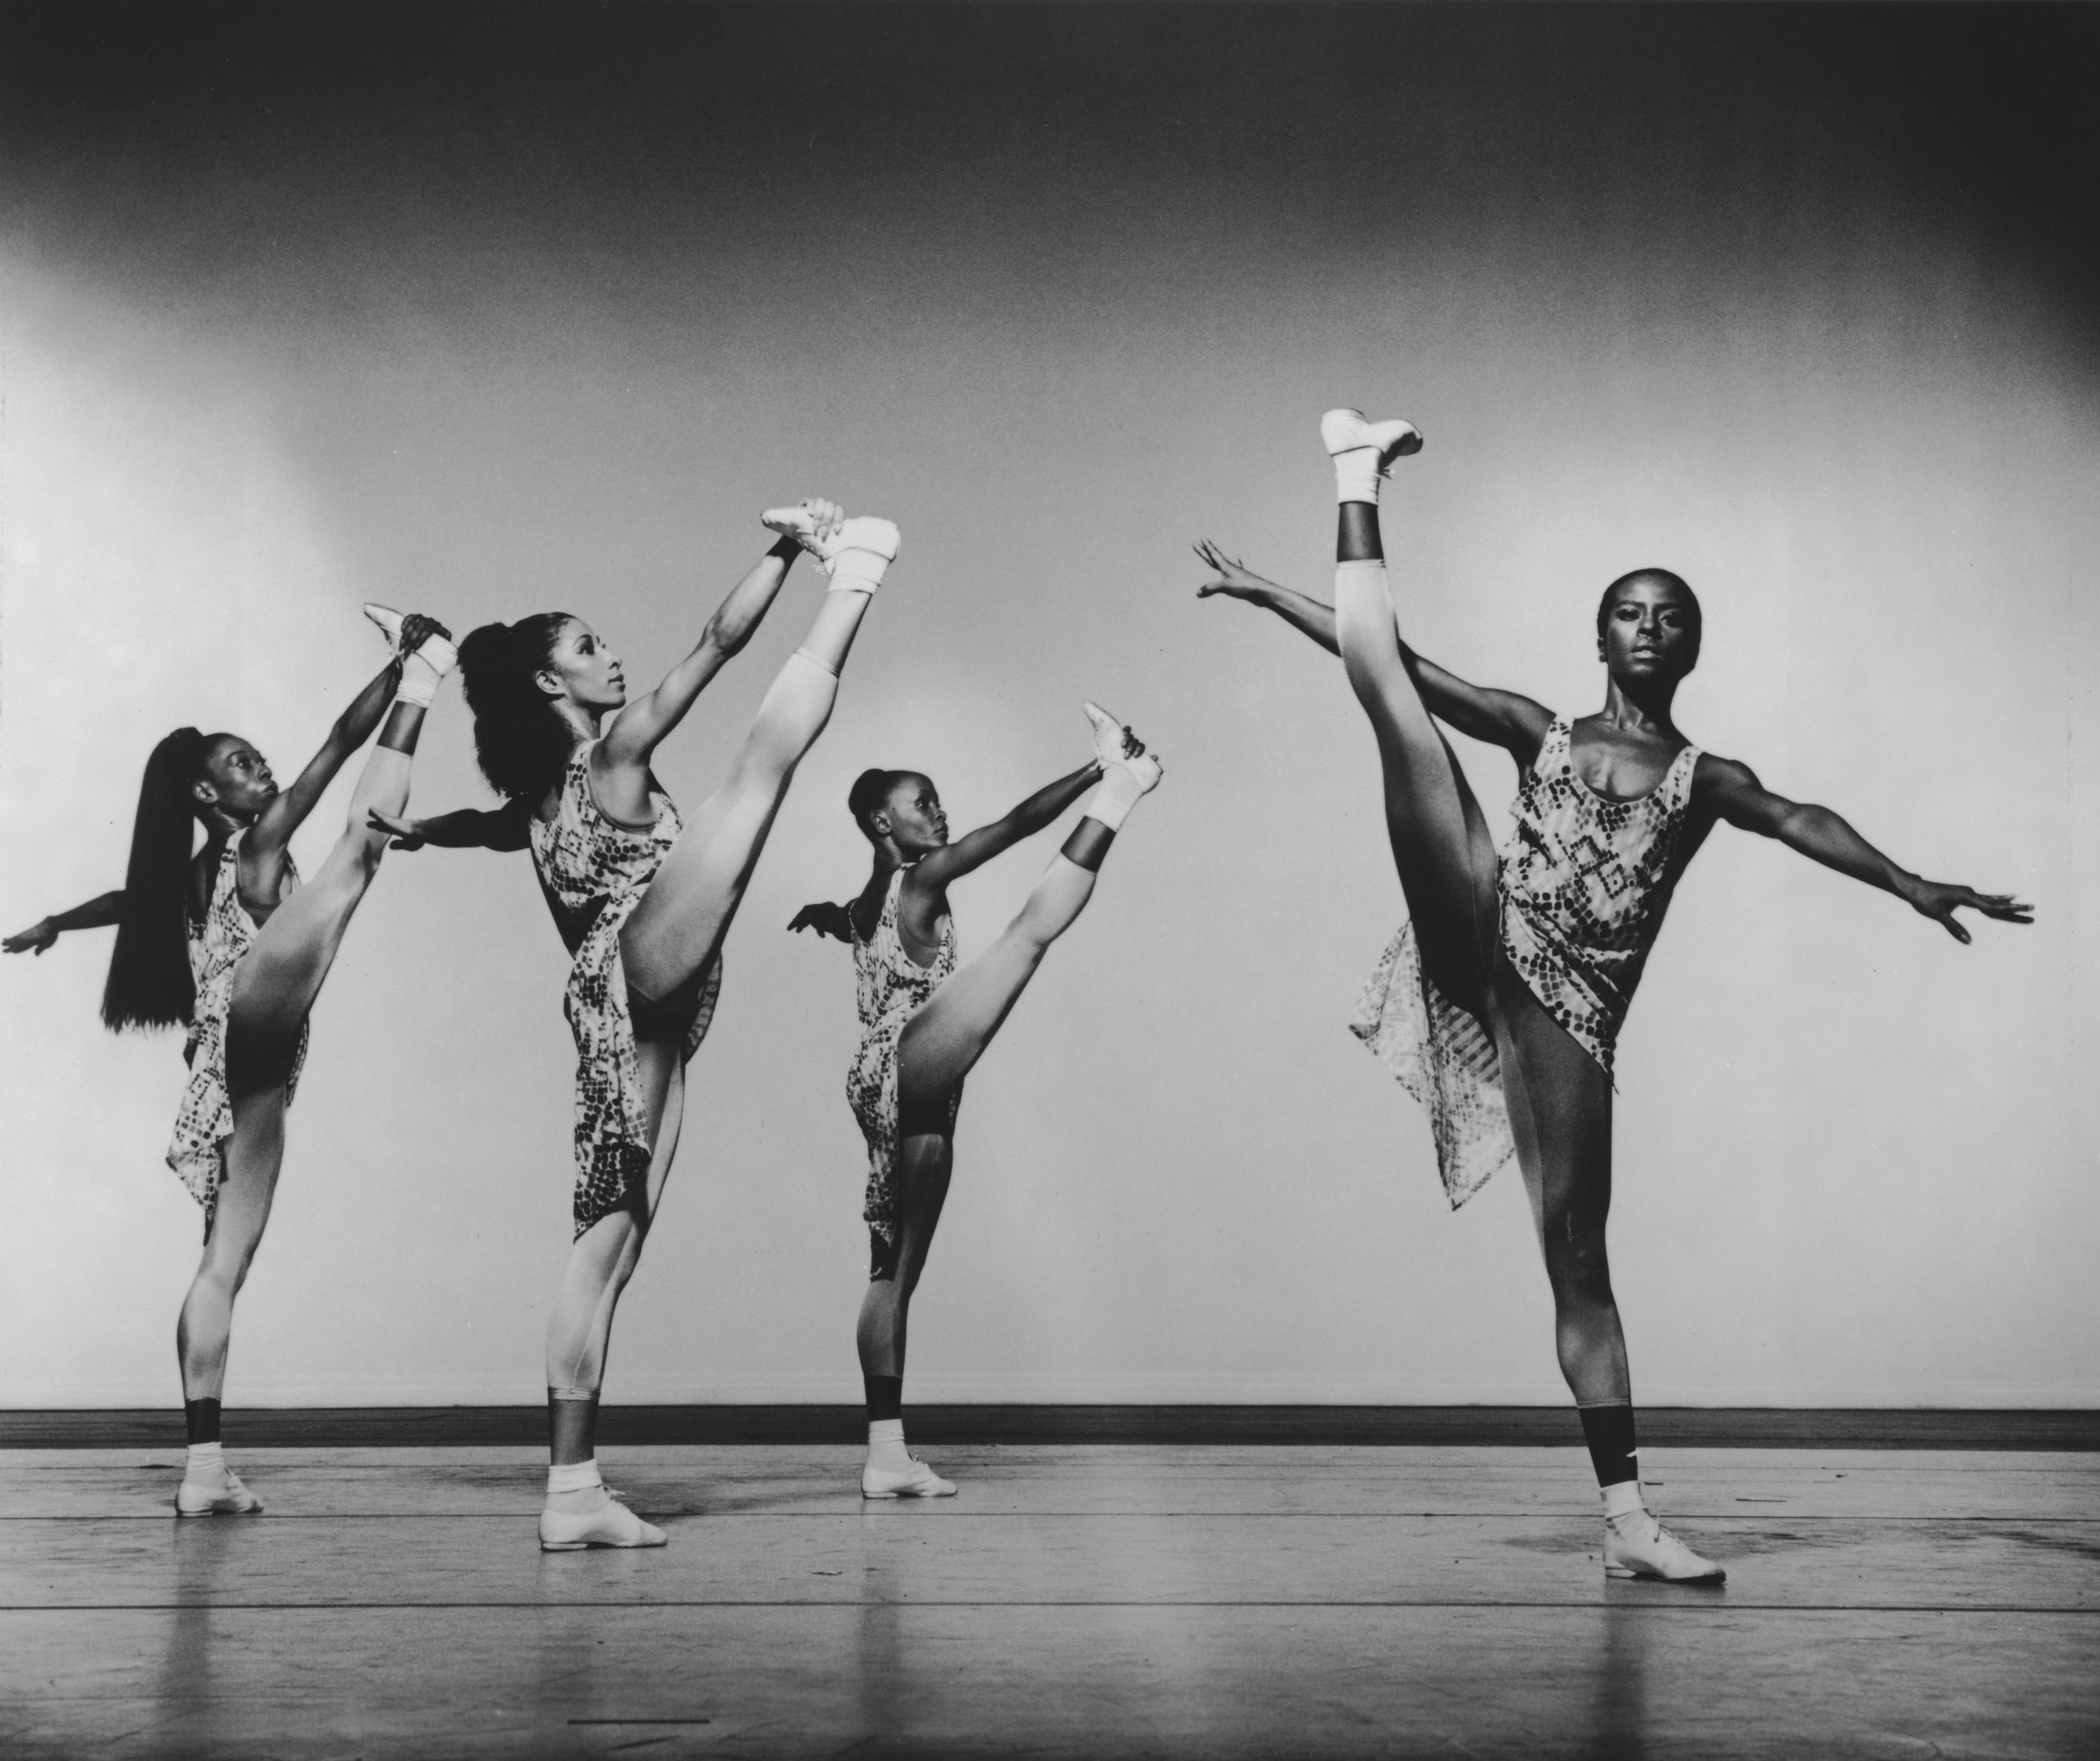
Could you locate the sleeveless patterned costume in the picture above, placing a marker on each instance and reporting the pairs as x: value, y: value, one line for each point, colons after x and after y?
x: 1584, y: 881
x: 891, y: 988
x: 593, y: 872
x: 197, y: 1151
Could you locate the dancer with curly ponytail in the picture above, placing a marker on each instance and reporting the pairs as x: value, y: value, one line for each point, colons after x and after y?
x: 924, y: 1024
x: 643, y: 902
x: 1498, y: 1004
x: 226, y: 942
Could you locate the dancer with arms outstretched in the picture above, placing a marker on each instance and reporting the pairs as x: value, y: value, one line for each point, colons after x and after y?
x: 225, y: 941
x: 925, y: 1021
x: 1499, y: 1003
x: 642, y: 902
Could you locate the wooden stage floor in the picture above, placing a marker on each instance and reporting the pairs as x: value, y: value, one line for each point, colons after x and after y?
x: 1075, y: 1599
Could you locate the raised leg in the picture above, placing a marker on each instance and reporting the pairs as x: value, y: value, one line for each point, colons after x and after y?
x: 678, y: 927
x: 1440, y: 839
x: 278, y: 979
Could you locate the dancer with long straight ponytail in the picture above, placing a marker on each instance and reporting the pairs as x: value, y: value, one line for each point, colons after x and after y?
x: 642, y: 902
x: 1499, y: 1003
x: 225, y: 940
x: 925, y: 1023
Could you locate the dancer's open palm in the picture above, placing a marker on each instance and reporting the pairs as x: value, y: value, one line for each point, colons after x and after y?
x: 1940, y: 899
x: 408, y: 833
x: 1234, y: 579
x: 826, y: 919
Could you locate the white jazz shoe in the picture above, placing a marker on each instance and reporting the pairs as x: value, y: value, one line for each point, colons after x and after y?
x: 918, y: 1480
x: 1347, y: 431
x: 440, y: 654
x: 612, y: 1525
x: 219, y: 1494
x: 1636, y: 1545
x: 1110, y: 734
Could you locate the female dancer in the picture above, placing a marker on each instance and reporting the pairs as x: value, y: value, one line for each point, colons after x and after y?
x: 924, y: 1024
x: 643, y: 902
x: 1497, y: 1006
x: 228, y: 942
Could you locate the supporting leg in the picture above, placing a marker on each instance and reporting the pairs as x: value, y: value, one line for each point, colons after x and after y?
x: 204, y: 1331
x: 925, y: 1161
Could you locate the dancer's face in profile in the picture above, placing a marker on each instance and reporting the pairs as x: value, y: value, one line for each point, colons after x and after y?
x: 580, y: 667
x: 236, y: 778
x: 1650, y: 631
x: 917, y: 821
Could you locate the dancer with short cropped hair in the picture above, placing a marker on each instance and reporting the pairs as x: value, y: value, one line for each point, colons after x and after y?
x: 925, y: 1023
x: 225, y: 941
x: 1499, y: 1003
x: 642, y: 902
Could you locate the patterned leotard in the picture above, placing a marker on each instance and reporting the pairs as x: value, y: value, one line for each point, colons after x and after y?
x: 891, y: 987
x: 197, y: 1151
x: 594, y: 871
x: 1584, y: 881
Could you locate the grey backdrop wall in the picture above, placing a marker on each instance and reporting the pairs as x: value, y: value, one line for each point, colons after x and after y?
x: 486, y: 311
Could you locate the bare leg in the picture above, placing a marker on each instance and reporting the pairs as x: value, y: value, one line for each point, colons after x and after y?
x: 253, y: 1156
x: 1440, y: 845
x: 944, y: 1040
x: 925, y: 1160
x: 277, y: 980
x: 1560, y: 1111
x: 678, y: 927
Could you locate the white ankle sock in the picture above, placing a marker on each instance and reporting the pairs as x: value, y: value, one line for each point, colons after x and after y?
x: 1118, y: 793
x: 857, y: 571
x: 419, y: 682
x: 206, y: 1455
x: 573, y: 1476
x: 1356, y: 476
x: 885, y: 1430
x: 1623, y: 1499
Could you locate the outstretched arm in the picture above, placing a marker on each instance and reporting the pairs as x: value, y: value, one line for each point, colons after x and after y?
x: 973, y: 849
x: 826, y: 919
x: 1496, y: 718
x: 263, y: 849
x: 642, y: 725
x: 96, y: 914
x: 1732, y: 792
x: 500, y: 828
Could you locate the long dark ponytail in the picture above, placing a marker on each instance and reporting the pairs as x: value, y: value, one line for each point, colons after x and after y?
x: 520, y: 739
x: 149, y: 984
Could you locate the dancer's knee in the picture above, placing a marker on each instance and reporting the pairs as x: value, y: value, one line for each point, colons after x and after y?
x: 1578, y: 1267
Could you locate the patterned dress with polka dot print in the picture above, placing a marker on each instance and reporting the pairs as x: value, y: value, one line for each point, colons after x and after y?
x: 1584, y: 882
x: 197, y: 1152
x: 593, y: 871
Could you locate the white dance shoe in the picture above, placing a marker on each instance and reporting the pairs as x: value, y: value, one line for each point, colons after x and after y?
x: 1110, y: 734
x: 1636, y: 1545
x: 611, y: 1524
x: 800, y: 522
x: 1347, y: 431
x: 855, y: 552
x: 918, y: 1480
x: 440, y: 654
x: 219, y: 1494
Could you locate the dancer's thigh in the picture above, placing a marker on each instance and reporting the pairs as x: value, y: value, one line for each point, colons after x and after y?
x: 254, y: 1156
x: 277, y: 980
x: 1560, y: 1114
x: 678, y: 927
x: 1446, y: 863
x: 942, y: 1044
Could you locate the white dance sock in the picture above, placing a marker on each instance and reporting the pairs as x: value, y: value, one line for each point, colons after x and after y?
x: 424, y: 671
x: 205, y: 1459
x: 574, y: 1476
x: 885, y: 1445
x: 1122, y: 782
x: 1356, y: 476
x: 1622, y: 1499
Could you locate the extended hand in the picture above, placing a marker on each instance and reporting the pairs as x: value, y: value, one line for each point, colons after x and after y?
x: 1234, y: 579
x: 417, y: 629
x: 33, y: 940
x: 1940, y: 900
x: 826, y: 919
x: 408, y: 833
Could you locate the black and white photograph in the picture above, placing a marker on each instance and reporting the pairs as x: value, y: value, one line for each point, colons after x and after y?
x: 1345, y: 752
